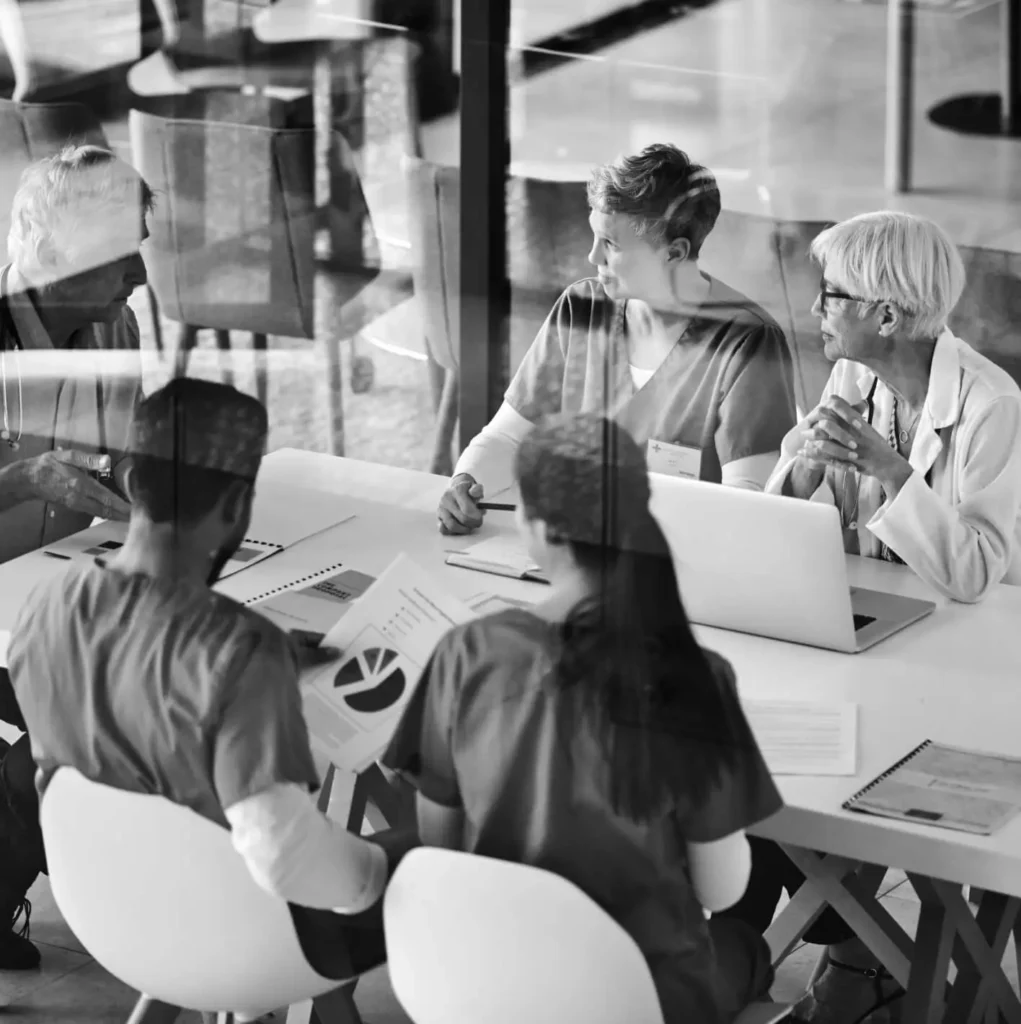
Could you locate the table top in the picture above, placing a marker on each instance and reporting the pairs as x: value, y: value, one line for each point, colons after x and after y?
x: 949, y: 678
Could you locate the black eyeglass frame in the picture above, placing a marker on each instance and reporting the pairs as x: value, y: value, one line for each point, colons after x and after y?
x: 830, y: 293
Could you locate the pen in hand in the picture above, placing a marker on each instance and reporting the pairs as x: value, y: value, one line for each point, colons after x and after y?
x: 495, y: 506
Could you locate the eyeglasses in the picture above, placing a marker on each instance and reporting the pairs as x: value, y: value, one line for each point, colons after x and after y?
x: 831, y: 293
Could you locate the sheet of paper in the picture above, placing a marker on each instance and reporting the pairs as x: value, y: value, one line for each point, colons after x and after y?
x: 105, y: 538
x: 803, y: 738
x: 5, y: 639
x: 947, y: 786
x: 318, y: 607
x: 486, y: 603
x: 352, y: 705
x: 286, y: 515
x: 508, y: 551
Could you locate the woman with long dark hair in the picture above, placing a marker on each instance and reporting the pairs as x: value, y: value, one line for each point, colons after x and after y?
x: 592, y: 736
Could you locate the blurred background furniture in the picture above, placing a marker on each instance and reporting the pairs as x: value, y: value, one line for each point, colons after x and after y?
x: 31, y: 131
x: 233, y: 233
x: 548, y: 240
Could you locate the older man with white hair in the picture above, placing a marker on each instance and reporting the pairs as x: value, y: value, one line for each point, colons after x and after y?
x: 70, y: 378
x: 917, y: 438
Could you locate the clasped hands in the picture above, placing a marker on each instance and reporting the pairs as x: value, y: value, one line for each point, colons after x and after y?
x: 836, y: 433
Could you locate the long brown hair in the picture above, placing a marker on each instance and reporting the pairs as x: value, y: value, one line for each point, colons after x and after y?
x: 628, y: 650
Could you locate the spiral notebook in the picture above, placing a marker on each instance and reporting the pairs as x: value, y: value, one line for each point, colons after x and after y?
x: 946, y: 786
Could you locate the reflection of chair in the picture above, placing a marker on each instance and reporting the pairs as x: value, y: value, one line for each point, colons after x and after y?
x: 547, y: 242
x: 31, y: 131
x: 158, y: 895
x: 472, y: 939
x: 234, y: 229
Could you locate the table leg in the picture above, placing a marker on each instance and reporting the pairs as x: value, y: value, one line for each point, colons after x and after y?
x: 854, y: 899
x: 930, y: 963
x: 978, y: 951
x: 900, y: 54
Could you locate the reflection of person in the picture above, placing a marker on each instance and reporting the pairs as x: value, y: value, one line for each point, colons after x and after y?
x: 692, y: 369
x: 917, y: 438
x: 592, y: 736
x: 137, y: 674
x: 76, y: 224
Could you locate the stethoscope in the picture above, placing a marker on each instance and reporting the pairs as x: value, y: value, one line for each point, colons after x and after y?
x: 7, y: 332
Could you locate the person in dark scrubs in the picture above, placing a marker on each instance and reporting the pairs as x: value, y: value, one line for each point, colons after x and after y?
x: 698, y: 374
x: 70, y: 378
x: 591, y: 736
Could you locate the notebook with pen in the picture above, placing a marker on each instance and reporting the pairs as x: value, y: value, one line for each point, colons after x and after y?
x: 946, y: 786
x: 501, y: 556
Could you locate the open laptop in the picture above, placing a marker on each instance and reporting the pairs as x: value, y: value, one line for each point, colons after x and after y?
x: 772, y: 566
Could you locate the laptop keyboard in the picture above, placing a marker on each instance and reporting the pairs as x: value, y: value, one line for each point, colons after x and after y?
x: 861, y: 621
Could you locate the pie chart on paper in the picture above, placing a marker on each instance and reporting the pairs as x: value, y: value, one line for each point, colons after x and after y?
x: 374, y: 665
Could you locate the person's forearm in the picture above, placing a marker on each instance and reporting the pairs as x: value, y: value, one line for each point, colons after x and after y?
x: 489, y: 458
x: 15, y: 486
x: 297, y: 853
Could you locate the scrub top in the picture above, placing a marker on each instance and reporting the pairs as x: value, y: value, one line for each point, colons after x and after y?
x: 486, y: 731
x: 725, y: 388
x: 170, y: 689
x: 81, y: 396
x: 158, y: 687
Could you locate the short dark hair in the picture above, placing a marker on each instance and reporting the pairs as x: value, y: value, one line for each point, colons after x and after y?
x: 664, y: 193
x: 192, y: 441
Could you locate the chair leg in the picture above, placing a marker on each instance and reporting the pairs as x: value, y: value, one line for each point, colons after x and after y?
x: 446, y: 421
x: 186, y: 341
x: 226, y: 366
x: 152, y: 1011
x: 334, y: 396
x: 157, y: 324
x: 259, y: 348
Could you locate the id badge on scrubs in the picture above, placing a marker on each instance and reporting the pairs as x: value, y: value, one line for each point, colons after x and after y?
x: 674, y: 459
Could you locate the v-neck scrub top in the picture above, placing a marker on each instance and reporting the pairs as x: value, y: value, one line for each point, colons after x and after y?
x: 725, y: 388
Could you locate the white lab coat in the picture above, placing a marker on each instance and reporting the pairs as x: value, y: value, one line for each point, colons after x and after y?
x: 956, y: 521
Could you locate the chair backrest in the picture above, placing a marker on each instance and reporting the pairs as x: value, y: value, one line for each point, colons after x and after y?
x: 548, y: 239
x: 31, y: 131
x: 158, y: 895
x: 233, y: 233
x: 986, y: 316
x: 474, y: 939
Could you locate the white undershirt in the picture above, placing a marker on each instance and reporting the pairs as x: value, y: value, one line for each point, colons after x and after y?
x: 297, y: 853
x: 489, y: 458
x: 640, y: 377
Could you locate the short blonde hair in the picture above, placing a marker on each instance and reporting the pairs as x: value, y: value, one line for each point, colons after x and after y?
x: 60, y: 204
x: 895, y: 257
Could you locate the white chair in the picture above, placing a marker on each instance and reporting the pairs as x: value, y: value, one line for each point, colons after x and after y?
x: 158, y: 895
x: 476, y: 939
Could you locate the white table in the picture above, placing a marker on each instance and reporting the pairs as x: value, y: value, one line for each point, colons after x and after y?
x: 951, y: 677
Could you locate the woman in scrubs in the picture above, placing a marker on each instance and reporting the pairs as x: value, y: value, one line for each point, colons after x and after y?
x: 698, y: 374
x: 593, y: 737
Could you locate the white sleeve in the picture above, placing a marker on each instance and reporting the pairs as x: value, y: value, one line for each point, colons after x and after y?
x: 720, y: 870
x: 964, y: 548
x: 750, y: 473
x: 489, y: 458
x: 295, y: 852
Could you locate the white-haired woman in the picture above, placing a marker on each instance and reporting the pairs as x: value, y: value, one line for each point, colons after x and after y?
x: 917, y: 438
